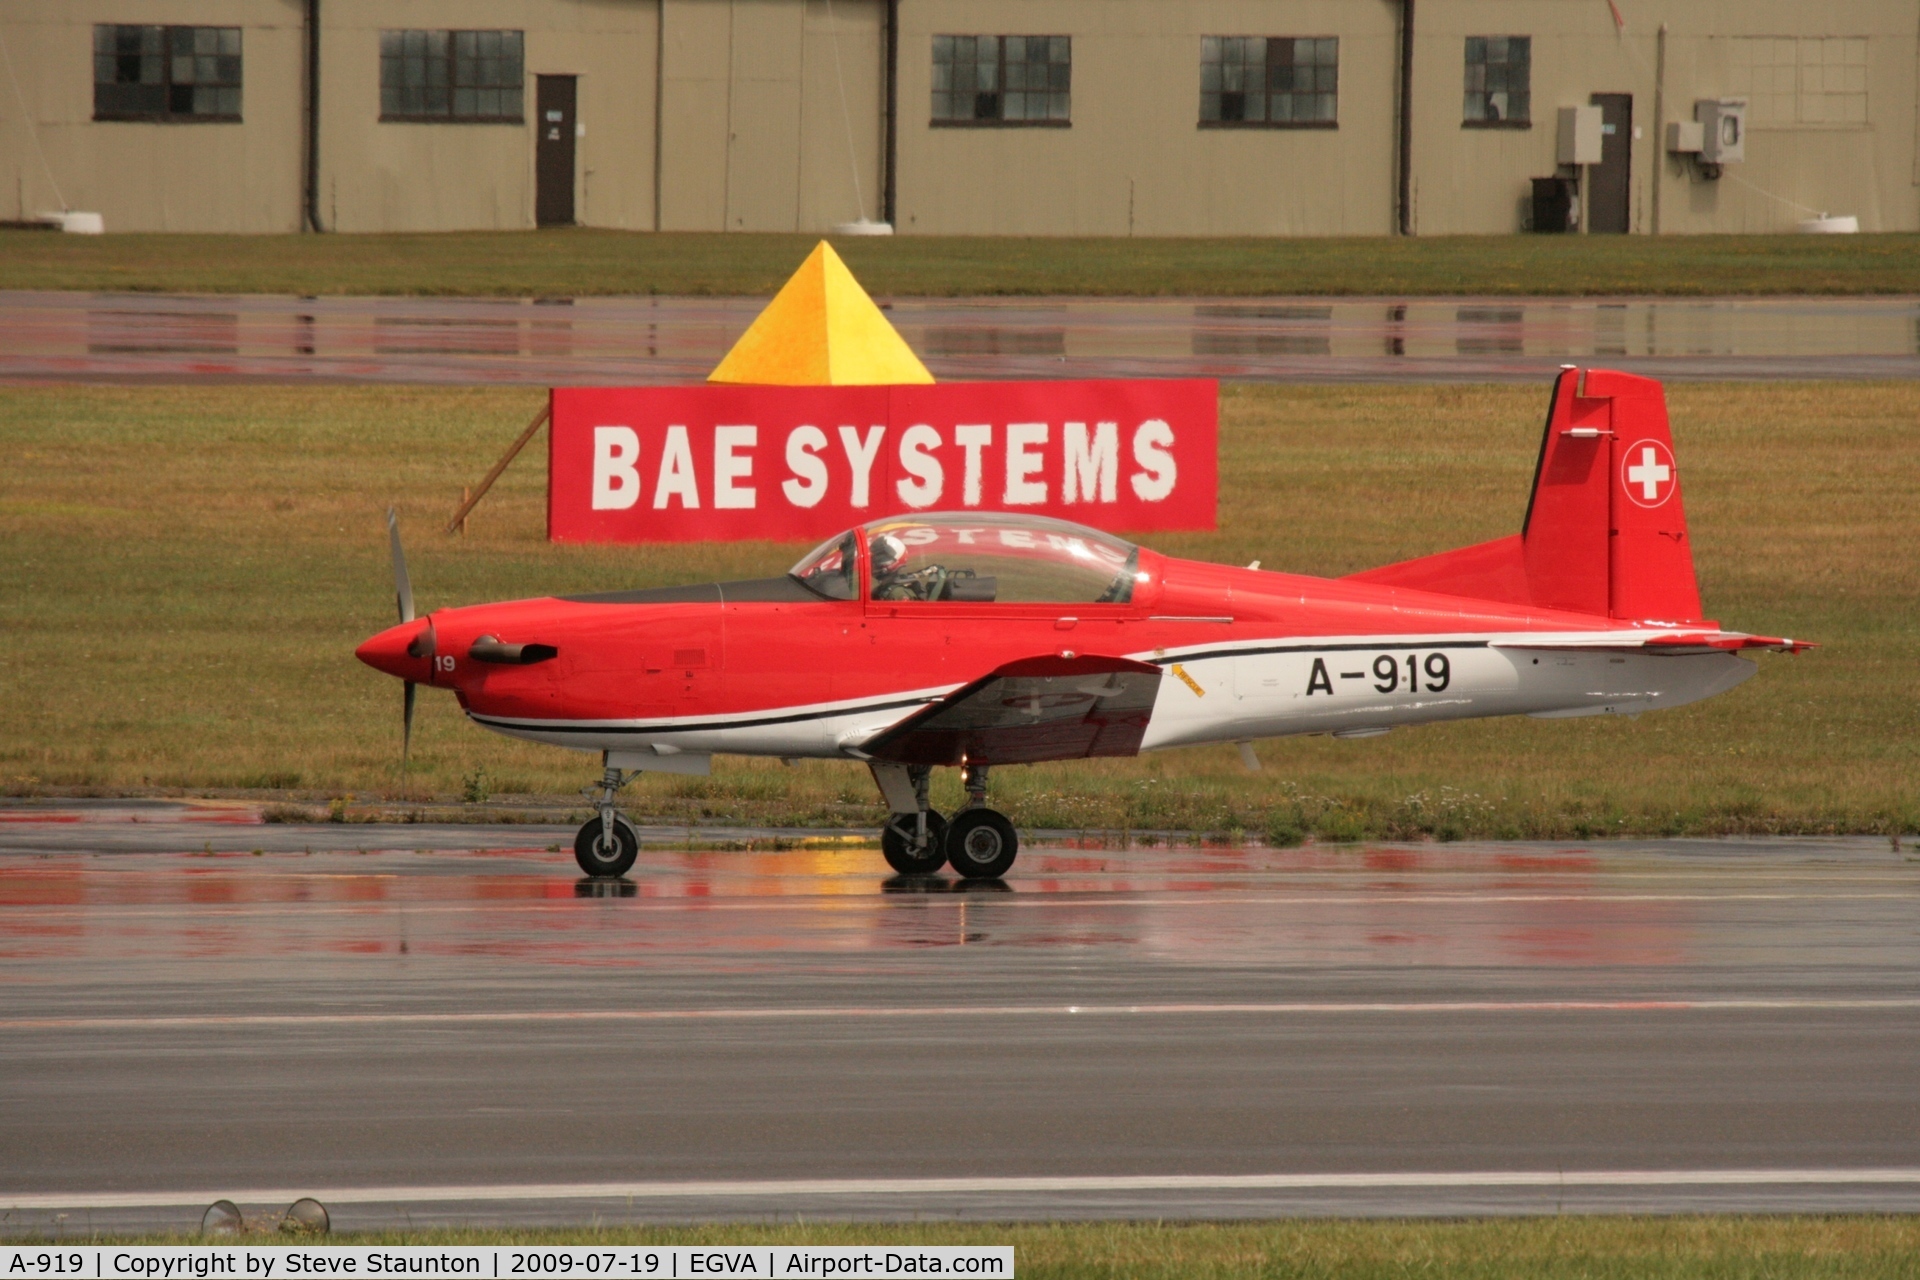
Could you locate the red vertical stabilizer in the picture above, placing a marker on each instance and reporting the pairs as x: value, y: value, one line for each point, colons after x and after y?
x: 1605, y: 532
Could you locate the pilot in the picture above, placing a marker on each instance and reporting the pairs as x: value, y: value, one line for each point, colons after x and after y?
x: 888, y: 555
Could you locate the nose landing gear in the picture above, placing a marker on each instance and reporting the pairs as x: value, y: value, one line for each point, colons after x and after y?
x: 607, y: 845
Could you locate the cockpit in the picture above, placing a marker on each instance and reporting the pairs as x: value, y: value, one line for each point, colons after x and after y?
x: 974, y: 559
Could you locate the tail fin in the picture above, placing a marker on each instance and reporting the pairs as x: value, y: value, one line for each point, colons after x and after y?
x: 1605, y: 532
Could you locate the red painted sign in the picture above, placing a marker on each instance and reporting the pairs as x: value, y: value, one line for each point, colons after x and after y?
x: 713, y: 463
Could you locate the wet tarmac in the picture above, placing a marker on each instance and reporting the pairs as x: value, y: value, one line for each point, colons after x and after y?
x: 637, y: 341
x: 445, y: 1023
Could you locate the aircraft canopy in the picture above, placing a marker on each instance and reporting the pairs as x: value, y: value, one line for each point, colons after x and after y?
x: 979, y: 558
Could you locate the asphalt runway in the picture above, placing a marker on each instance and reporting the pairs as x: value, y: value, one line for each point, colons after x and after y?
x: 638, y: 341
x: 424, y: 1024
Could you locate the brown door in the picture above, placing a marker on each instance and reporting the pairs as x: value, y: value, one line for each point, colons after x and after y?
x: 553, y: 152
x: 1607, y: 202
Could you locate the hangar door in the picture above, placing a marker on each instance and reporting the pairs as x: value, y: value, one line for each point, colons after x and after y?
x: 1608, y: 209
x: 553, y: 151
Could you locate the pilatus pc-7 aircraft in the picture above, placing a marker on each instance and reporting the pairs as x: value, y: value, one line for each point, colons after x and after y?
x: 972, y: 640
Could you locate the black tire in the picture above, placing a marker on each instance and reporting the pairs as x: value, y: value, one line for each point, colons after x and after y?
x: 896, y: 844
x: 981, y: 844
x: 606, y: 863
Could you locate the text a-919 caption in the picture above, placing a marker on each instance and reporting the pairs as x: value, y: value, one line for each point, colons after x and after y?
x: 214, y: 1261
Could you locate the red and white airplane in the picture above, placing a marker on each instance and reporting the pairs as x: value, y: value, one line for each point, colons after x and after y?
x: 974, y: 639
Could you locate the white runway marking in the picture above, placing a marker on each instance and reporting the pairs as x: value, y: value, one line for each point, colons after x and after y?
x: 791, y: 1188
x: 789, y: 1014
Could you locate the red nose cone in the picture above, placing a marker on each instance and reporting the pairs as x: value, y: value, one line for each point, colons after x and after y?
x: 396, y: 652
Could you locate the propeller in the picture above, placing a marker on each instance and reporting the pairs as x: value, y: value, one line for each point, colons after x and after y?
x: 403, y: 598
x: 402, y: 585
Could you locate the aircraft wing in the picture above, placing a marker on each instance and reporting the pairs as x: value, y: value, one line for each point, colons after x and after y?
x: 1668, y: 642
x: 1043, y: 708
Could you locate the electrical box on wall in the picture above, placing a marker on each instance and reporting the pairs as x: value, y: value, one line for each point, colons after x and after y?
x: 1684, y: 137
x: 1579, y: 135
x: 1723, y: 129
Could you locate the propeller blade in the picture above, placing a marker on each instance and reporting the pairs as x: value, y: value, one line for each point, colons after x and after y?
x: 402, y: 585
x: 406, y: 724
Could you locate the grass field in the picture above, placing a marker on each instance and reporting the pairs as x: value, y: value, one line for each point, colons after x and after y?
x: 582, y: 262
x: 1569, y: 1248
x: 188, y: 569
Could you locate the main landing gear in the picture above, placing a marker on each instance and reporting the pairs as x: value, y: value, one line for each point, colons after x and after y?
x: 978, y: 843
x: 607, y: 844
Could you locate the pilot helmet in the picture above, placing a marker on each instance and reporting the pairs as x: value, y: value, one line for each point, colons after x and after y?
x: 886, y: 552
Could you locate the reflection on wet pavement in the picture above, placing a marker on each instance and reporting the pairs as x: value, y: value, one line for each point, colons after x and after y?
x: 523, y: 903
x: 560, y: 341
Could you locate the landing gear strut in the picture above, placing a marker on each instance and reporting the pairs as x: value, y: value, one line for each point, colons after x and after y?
x: 607, y: 844
x: 977, y: 842
x: 981, y: 842
x: 914, y: 841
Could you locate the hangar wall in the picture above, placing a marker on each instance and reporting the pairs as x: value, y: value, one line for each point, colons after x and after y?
x: 379, y: 175
x: 757, y: 133
x: 1135, y: 161
x: 770, y: 115
x: 1475, y: 180
x: 187, y: 177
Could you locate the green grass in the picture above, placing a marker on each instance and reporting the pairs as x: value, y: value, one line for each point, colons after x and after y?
x: 1557, y: 1248
x: 582, y: 262
x: 187, y: 571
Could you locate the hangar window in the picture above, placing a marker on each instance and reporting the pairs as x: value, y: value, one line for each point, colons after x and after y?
x: 166, y: 73
x: 1499, y: 82
x: 1804, y: 82
x: 1282, y: 82
x: 1003, y: 80
x: 452, y: 75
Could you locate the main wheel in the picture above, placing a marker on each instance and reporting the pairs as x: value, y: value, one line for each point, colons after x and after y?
x: 896, y: 844
x: 606, y: 858
x: 981, y: 844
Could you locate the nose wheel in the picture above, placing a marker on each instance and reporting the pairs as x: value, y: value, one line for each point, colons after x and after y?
x: 605, y: 852
x: 607, y: 845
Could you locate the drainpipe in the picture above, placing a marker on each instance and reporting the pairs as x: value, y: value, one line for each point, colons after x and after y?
x: 1406, y: 117
x: 659, y: 101
x: 1659, y: 121
x: 893, y: 112
x: 313, y: 117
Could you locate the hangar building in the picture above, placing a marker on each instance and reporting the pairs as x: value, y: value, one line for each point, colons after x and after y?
x: 1015, y: 117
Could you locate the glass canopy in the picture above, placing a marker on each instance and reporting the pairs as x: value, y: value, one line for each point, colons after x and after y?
x: 993, y: 557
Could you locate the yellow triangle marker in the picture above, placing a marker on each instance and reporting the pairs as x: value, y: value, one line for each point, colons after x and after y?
x: 821, y: 330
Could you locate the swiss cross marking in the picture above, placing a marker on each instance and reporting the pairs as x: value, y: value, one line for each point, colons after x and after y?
x: 1647, y: 473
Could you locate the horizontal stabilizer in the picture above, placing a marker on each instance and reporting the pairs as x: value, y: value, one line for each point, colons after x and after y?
x: 1041, y: 708
x: 1665, y: 642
